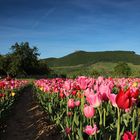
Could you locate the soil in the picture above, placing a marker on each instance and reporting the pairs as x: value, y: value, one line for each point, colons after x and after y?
x: 27, y: 121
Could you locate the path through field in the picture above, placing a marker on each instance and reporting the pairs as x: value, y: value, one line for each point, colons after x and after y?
x: 28, y: 122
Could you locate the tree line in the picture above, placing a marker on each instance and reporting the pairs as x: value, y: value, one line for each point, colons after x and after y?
x: 22, y: 60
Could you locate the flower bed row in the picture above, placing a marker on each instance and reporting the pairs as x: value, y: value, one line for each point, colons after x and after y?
x: 93, y: 109
x: 9, y: 90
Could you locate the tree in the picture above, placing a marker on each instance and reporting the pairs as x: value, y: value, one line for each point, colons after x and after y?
x: 24, y: 59
x: 122, y: 69
x: 5, y: 61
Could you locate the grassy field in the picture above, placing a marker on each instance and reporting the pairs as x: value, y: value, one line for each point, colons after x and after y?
x: 100, y: 67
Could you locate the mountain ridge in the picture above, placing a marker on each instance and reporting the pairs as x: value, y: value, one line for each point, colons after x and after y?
x: 83, y: 57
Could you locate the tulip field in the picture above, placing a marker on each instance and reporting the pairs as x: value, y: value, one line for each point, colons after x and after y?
x: 9, y: 90
x: 92, y: 109
x: 84, y: 108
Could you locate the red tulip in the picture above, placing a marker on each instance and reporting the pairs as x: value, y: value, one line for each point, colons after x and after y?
x: 68, y: 130
x: 74, y: 92
x: 129, y: 136
x: 2, y: 85
x: 70, y: 113
x: 2, y: 95
x: 135, y: 93
x: 61, y: 95
x: 123, y: 99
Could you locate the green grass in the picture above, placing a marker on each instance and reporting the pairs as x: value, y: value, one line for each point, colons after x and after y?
x: 101, y: 67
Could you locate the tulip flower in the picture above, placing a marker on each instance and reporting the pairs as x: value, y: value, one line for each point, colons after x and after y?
x: 91, y: 131
x: 89, y: 111
x: 83, y: 82
x: 94, y: 100
x: 71, y: 103
x: 2, y: 85
x: 124, y: 100
x: 67, y: 85
x: 2, y: 95
x: 129, y: 136
x: 61, y: 95
x: 70, y: 114
x: 77, y: 103
x: 67, y: 130
x: 105, y: 91
x: 112, y: 98
x: 74, y: 92
x: 135, y: 93
x: 13, y: 94
x: 88, y: 91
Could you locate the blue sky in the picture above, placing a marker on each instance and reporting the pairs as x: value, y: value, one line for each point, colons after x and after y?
x: 59, y: 27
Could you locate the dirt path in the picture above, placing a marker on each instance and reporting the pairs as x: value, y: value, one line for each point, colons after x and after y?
x: 28, y: 121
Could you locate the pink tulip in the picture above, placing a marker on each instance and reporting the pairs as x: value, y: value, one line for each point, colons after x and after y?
x: 112, y: 98
x: 83, y: 82
x: 46, y: 88
x: 94, y: 100
x: 88, y: 91
x: 77, y: 103
x: 100, y: 79
x: 91, y: 131
x: 71, y: 103
x: 91, y: 83
x: 89, y: 111
x: 105, y: 91
x: 67, y: 93
x: 67, y: 85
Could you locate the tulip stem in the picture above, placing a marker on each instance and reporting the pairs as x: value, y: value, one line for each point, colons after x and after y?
x: 69, y: 137
x: 118, y: 125
x: 137, y: 124
x: 133, y: 121
x: 104, y: 117
x: 91, y: 121
x: 100, y: 114
x: 90, y: 137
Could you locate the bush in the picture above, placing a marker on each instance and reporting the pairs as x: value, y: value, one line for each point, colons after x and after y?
x: 122, y: 69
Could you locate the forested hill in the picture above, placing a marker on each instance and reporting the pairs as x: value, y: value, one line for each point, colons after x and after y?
x: 82, y: 57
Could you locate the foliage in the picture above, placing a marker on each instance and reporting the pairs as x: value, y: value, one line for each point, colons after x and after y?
x: 105, y: 69
x: 5, y: 63
x: 22, y: 61
x: 94, y: 73
x: 24, y: 58
x: 122, y: 69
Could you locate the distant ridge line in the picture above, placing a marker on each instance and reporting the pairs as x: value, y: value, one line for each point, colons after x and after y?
x: 83, y: 57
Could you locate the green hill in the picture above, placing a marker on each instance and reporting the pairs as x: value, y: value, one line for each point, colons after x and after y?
x: 89, y: 58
